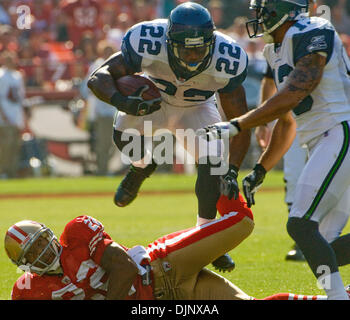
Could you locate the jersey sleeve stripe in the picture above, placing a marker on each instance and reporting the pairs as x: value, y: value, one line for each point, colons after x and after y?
x: 94, y: 241
x: 132, y: 59
x: 317, y: 40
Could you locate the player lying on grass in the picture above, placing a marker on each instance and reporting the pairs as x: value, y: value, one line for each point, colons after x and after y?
x: 87, y: 264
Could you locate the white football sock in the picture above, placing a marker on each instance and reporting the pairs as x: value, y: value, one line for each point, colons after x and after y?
x: 335, y: 289
x: 145, y: 161
x: 201, y: 221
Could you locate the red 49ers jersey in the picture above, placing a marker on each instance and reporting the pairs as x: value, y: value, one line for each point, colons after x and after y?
x: 84, y: 242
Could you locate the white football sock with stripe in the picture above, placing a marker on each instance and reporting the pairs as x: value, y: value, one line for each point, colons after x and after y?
x: 293, y: 296
x: 335, y: 289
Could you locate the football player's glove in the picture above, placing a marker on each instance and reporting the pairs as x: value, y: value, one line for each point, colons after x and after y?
x: 217, y: 130
x: 228, y: 183
x: 252, y: 182
x: 134, y: 104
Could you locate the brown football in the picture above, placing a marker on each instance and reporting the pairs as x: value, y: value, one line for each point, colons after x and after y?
x: 127, y: 85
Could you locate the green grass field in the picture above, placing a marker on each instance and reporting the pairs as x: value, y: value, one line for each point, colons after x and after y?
x: 260, y: 266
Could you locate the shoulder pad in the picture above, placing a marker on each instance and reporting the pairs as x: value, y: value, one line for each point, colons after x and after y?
x: 230, y: 57
x: 313, y: 35
x: 82, y: 229
x: 144, y: 40
x: 231, y: 61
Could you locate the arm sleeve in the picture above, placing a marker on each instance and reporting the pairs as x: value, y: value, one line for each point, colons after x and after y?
x: 316, y: 40
x: 131, y: 57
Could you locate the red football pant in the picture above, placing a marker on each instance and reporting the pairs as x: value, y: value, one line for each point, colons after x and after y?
x: 178, y: 259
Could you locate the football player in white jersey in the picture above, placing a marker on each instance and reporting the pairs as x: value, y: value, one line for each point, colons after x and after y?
x: 195, y: 67
x: 293, y: 163
x: 311, y: 72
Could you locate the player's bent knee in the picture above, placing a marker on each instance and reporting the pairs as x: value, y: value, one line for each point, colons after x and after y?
x: 226, y: 205
x: 237, y: 233
x: 300, y: 228
x: 248, y: 226
x: 293, y: 227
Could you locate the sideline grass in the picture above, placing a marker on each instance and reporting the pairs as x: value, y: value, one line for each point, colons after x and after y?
x: 260, y: 266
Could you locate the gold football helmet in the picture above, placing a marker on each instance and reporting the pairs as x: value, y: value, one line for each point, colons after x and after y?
x: 20, y: 238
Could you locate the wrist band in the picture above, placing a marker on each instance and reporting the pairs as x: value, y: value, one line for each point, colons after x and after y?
x: 236, y: 124
x: 232, y: 166
x: 260, y: 167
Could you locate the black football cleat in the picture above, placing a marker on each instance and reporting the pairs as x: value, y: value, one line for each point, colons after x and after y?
x: 130, y: 185
x: 295, y: 254
x: 224, y: 263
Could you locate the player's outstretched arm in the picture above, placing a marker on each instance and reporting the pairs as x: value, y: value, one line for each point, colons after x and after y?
x: 234, y: 104
x: 263, y: 132
x: 121, y: 270
x: 300, y: 83
x: 283, y: 134
x: 282, y: 137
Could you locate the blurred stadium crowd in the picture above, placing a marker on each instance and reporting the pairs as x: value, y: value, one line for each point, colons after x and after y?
x: 66, y: 36
x: 65, y: 39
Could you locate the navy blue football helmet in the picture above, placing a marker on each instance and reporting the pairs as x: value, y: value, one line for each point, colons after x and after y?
x: 190, y: 39
x: 271, y: 14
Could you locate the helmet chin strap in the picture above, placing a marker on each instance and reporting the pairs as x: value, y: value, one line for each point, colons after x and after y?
x: 189, y: 67
x: 268, y: 38
x: 278, y: 24
x: 267, y: 34
x: 192, y: 67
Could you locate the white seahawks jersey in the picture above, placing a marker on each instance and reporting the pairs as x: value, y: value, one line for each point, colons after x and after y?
x: 329, y: 104
x: 144, y: 49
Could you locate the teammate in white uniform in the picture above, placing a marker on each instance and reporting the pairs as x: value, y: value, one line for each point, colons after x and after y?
x: 194, y: 67
x: 293, y: 163
x: 311, y: 72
